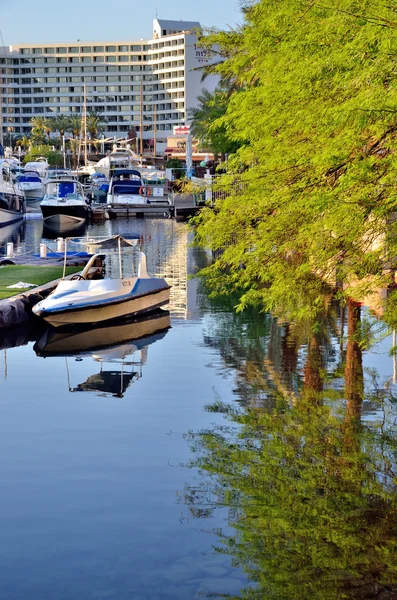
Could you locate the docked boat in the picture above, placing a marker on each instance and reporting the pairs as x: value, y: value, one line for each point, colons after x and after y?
x: 83, y: 301
x: 32, y: 187
x: 127, y: 188
x: 64, y: 205
x: 12, y: 202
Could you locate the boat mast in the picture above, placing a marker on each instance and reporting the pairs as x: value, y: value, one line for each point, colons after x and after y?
x: 3, y: 81
x: 85, y: 125
x: 155, y: 130
x: 141, y: 122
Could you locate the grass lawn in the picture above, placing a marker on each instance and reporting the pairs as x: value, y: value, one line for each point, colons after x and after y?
x: 10, y: 275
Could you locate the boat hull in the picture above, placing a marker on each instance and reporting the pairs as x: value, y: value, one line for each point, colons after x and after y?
x: 33, y: 194
x: 64, y: 216
x: 7, y: 217
x: 97, y: 314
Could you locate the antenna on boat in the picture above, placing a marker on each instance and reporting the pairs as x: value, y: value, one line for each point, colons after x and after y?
x: 121, y: 264
x: 141, y: 122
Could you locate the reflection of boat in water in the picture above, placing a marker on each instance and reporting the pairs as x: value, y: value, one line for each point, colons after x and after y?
x: 12, y: 233
x: 77, y: 230
x: 114, y: 347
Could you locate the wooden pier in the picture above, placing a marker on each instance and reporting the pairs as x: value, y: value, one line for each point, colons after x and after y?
x: 181, y: 207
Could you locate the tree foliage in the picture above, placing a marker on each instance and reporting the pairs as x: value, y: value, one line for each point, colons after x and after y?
x: 312, y: 189
x: 205, y: 122
x: 55, y: 159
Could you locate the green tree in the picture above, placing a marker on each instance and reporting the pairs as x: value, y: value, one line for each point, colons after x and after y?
x: 75, y: 125
x: 61, y: 123
x: 95, y: 123
x: 205, y: 122
x: 312, y: 186
x: 55, y: 159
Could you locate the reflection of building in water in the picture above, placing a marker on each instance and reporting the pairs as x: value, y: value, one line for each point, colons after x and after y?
x: 170, y: 256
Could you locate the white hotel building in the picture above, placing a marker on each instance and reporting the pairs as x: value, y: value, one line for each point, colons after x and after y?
x: 48, y: 80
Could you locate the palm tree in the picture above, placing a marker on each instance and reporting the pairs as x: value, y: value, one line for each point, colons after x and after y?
x: 95, y: 124
x: 75, y: 125
x: 39, y: 125
x: 24, y: 142
x: 62, y: 124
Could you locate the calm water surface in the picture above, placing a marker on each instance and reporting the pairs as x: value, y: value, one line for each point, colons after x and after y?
x: 225, y: 456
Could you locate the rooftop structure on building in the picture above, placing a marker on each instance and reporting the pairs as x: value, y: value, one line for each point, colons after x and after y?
x: 144, y: 84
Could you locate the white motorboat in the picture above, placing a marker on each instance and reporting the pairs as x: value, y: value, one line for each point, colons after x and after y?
x: 32, y: 187
x: 127, y: 187
x: 64, y: 204
x: 12, y: 202
x: 40, y: 166
x: 83, y: 301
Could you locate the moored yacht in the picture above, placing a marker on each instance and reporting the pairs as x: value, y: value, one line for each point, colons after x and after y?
x: 12, y: 202
x: 32, y: 187
x: 64, y: 204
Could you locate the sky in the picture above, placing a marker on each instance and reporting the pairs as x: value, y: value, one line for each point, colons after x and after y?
x: 24, y: 21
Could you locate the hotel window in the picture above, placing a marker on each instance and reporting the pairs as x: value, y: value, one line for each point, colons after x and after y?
x: 61, y: 50
x: 111, y: 69
x: 62, y: 79
x: 86, y: 49
x: 73, y: 50
x: 37, y: 51
x: 99, y: 59
x: 112, y: 89
x: 85, y: 59
x: 136, y: 48
x: 62, y: 59
x: 50, y: 59
x: 123, y: 58
x: 62, y: 70
x: 111, y: 59
x: 99, y: 49
x: 110, y: 48
x: 73, y: 59
x: 123, y: 49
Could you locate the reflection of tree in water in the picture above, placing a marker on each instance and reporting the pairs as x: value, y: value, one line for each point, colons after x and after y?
x: 264, y: 350
x: 311, y: 493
